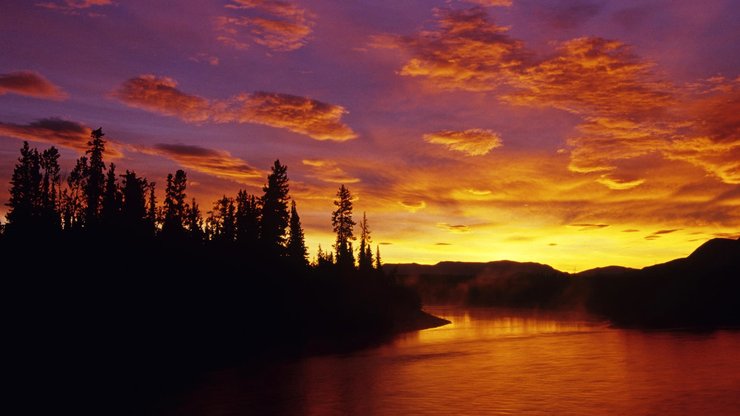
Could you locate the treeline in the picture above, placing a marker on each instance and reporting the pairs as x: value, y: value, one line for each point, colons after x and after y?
x: 95, y: 202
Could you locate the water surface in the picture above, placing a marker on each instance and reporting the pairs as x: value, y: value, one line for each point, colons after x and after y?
x: 497, y: 362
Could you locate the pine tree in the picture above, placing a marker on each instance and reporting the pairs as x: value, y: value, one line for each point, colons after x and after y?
x: 342, y: 223
x: 112, y: 199
x: 151, y: 210
x: 50, y: 206
x: 194, y: 222
x: 365, y: 255
x: 73, y: 198
x: 222, y: 221
x: 275, y: 217
x: 95, y: 178
x: 247, y: 222
x: 174, y: 204
x: 378, y: 264
x: 296, y: 250
x: 25, y: 192
x: 133, y: 207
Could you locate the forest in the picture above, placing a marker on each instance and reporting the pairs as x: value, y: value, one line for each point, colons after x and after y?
x: 103, y: 281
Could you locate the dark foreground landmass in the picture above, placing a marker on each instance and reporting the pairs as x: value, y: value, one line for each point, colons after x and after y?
x: 89, y: 322
x: 700, y: 291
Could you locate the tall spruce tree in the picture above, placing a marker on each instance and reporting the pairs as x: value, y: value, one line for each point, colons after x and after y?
x: 112, y: 199
x: 151, y: 208
x: 25, y: 193
x: 194, y: 222
x: 297, y: 252
x: 365, y: 255
x: 275, y: 216
x: 342, y: 224
x: 133, y: 208
x: 248, y: 212
x: 50, y: 190
x: 378, y: 264
x: 174, y: 204
x: 95, y: 178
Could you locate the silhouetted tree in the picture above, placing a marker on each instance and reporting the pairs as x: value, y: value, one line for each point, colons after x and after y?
x: 378, y: 264
x: 133, y: 208
x: 112, y: 199
x: 95, y: 179
x: 73, y: 198
x: 151, y: 210
x: 365, y: 255
x: 194, y: 222
x: 222, y: 221
x: 247, y: 221
x: 174, y: 204
x: 274, y: 220
x: 25, y: 193
x: 342, y: 223
x: 50, y: 189
x: 296, y: 250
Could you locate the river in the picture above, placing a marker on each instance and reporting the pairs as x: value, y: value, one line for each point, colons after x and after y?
x: 492, y: 362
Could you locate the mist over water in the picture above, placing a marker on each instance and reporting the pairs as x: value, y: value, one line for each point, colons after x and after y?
x: 492, y: 361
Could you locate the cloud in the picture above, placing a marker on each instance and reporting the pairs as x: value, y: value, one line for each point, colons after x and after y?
x: 213, y: 162
x: 490, y: 3
x: 627, y: 110
x: 279, y: 25
x: 31, y: 84
x: 588, y: 226
x: 75, y: 136
x: 466, y: 51
x: 473, y: 142
x: 160, y: 94
x: 302, y: 115
x: 203, y: 57
x: 329, y: 171
x: 58, y: 132
x: 456, y: 228
x: 659, y: 233
x: 413, y: 206
x: 313, y: 118
x: 73, y: 7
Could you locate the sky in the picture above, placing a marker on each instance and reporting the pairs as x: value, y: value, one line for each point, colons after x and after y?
x: 577, y: 133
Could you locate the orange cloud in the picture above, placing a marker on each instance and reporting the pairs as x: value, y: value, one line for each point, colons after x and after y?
x: 72, y: 7
x: 31, y: 84
x: 213, y: 162
x: 160, y: 94
x: 329, y: 171
x: 473, y: 142
x: 465, y: 52
x: 302, y: 115
x: 490, y: 3
x: 278, y: 25
x: 58, y: 132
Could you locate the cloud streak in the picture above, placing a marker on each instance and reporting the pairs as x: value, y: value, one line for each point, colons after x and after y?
x: 627, y: 110
x: 279, y: 25
x: 473, y: 142
x: 75, y: 136
x: 302, y: 115
x: 30, y: 84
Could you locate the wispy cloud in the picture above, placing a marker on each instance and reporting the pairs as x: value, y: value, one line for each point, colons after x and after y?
x: 31, y: 84
x: 73, y: 7
x: 627, y: 109
x: 75, y: 136
x: 329, y: 171
x: 58, y: 132
x: 213, y: 162
x: 473, y: 142
x: 279, y: 25
x: 313, y: 118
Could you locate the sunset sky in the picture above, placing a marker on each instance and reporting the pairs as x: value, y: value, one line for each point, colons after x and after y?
x: 577, y: 133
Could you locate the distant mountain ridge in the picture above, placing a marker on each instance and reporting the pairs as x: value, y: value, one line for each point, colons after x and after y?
x: 702, y: 289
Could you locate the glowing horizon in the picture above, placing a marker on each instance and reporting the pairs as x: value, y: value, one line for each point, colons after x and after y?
x: 576, y: 133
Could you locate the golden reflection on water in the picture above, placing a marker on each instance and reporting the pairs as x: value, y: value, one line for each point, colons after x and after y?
x: 495, y: 362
